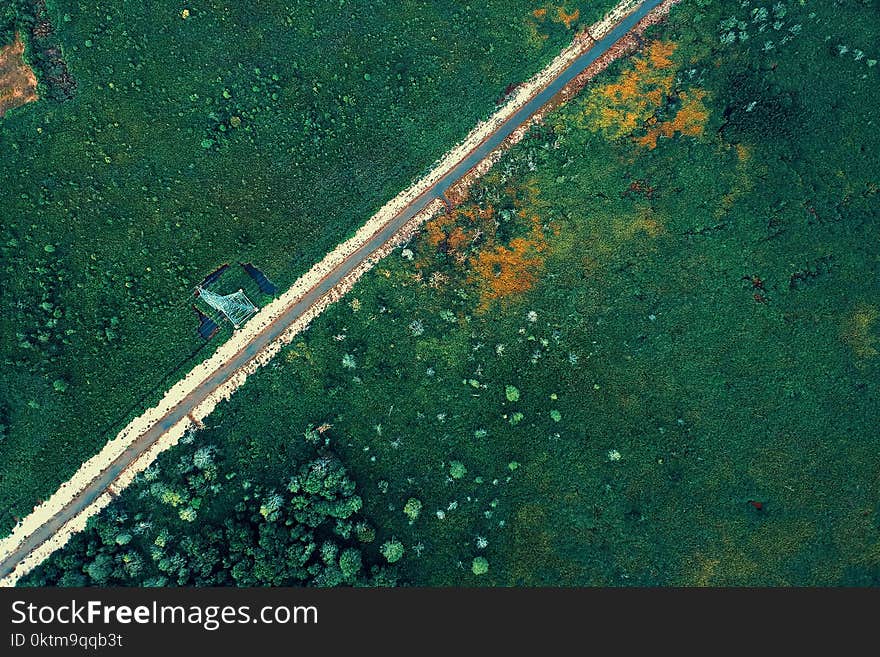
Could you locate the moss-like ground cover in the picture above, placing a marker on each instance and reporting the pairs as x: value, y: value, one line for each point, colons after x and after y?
x: 193, y: 134
x: 637, y: 356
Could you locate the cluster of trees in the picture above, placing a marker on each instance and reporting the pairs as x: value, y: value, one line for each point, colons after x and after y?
x: 760, y: 109
x: 306, y: 530
x: 44, y: 327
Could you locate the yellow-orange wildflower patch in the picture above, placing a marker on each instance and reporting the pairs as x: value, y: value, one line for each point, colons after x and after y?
x: 566, y: 18
x: 557, y: 14
x: 507, y: 270
x: 638, y: 104
x: 498, y: 265
x: 690, y: 120
x: 743, y: 152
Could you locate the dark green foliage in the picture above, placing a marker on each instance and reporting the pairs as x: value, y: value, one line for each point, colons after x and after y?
x: 759, y: 110
x: 33, y: 20
x: 14, y: 15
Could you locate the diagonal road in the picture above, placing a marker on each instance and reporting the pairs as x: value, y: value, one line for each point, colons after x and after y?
x: 273, y: 331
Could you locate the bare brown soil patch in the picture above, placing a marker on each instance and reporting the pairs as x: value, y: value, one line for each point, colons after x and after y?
x: 18, y: 84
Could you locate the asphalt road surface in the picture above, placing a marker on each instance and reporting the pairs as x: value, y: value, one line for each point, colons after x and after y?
x: 276, y: 328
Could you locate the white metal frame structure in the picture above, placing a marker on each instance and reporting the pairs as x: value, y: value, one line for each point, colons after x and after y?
x: 236, y: 307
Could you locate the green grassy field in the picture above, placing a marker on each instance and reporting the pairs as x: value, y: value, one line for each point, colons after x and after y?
x: 645, y: 352
x: 263, y: 133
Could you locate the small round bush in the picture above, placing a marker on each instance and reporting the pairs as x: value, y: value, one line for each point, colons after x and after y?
x: 412, y: 509
x: 392, y: 550
x: 457, y: 470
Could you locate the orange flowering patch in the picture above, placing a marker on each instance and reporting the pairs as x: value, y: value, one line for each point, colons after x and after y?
x: 498, y: 264
x: 435, y: 230
x: 500, y: 271
x: 690, y: 120
x: 453, y: 232
x: 619, y: 108
x: 637, y: 101
x: 559, y: 15
x: 566, y: 19
x: 18, y: 84
x: 660, y: 54
x: 507, y: 270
